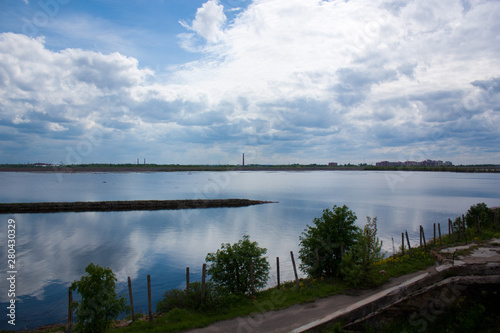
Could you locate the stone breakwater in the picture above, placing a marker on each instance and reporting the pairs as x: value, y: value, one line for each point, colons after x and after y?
x: 113, y: 206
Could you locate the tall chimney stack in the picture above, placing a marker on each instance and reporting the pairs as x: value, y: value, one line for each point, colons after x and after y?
x: 243, y: 159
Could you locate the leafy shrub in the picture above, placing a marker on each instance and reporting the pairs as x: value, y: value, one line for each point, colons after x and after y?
x: 479, y: 212
x: 176, y: 315
x: 320, y: 246
x: 178, y: 299
x: 230, y: 266
x: 358, y: 266
x: 217, y: 299
x: 99, y: 304
x: 457, y: 225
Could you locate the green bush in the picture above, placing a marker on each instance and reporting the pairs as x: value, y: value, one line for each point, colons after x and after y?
x: 99, y: 305
x: 217, y: 299
x: 457, y: 225
x: 479, y: 212
x: 358, y: 265
x: 320, y: 246
x: 229, y: 267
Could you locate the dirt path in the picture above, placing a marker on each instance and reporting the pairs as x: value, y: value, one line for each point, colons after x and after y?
x: 298, y: 315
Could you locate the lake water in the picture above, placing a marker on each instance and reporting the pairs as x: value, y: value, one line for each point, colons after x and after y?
x: 54, y: 249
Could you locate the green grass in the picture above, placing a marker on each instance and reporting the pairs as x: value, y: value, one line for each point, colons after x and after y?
x: 274, y: 299
x: 400, y: 264
x: 45, y: 329
x: 477, y: 312
x: 267, y: 300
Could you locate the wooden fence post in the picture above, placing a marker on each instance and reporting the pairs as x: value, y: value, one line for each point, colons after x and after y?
x: 278, y: 270
x: 70, y: 311
x: 409, y: 246
x: 403, y: 242
x: 420, y: 235
x: 423, y: 237
x: 459, y: 222
x: 450, y: 230
x: 295, y: 271
x: 434, y: 240
x: 150, y: 308
x: 187, y: 279
x: 465, y: 231
x: 203, y: 278
x: 131, y: 299
x: 439, y: 232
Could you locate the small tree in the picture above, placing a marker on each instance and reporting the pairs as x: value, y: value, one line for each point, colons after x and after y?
x: 99, y: 304
x: 457, y: 225
x: 320, y: 246
x: 230, y: 266
x: 358, y: 265
x: 479, y: 212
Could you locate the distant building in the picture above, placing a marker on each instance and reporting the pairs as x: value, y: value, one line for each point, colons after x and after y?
x: 333, y: 164
x: 426, y: 163
x: 388, y: 164
x: 44, y: 165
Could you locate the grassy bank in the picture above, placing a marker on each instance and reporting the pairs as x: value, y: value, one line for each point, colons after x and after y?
x: 239, y: 306
x: 477, y: 310
x: 183, y: 309
x: 313, y: 289
x: 274, y: 299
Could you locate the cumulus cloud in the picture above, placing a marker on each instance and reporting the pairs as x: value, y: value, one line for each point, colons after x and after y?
x: 312, y: 80
x: 208, y: 24
x: 69, y: 91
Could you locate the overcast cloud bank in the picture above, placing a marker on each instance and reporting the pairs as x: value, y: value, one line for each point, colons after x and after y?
x: 285, y: 81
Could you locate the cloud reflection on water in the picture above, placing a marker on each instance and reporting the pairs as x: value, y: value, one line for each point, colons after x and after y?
x: 54, y: 249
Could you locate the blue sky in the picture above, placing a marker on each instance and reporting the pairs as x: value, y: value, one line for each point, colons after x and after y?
x: 283, y: 81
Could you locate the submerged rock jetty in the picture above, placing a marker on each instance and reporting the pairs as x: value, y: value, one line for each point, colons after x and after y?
x: 113, y: 206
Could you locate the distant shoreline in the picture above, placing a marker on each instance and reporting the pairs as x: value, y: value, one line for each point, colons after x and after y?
x: 108, y: 168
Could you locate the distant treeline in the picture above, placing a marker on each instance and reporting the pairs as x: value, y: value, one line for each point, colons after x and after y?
x: 251, y: 167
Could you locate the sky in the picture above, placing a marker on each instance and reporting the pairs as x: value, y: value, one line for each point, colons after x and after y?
x: 283, y: 81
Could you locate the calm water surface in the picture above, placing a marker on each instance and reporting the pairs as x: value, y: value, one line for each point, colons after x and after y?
x: 54, y: 249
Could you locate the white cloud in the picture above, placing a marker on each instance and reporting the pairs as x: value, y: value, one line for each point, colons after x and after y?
x: 285, y: 78
x: 30, y: 71
x: 209, y: 22
x: 56, y: 127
